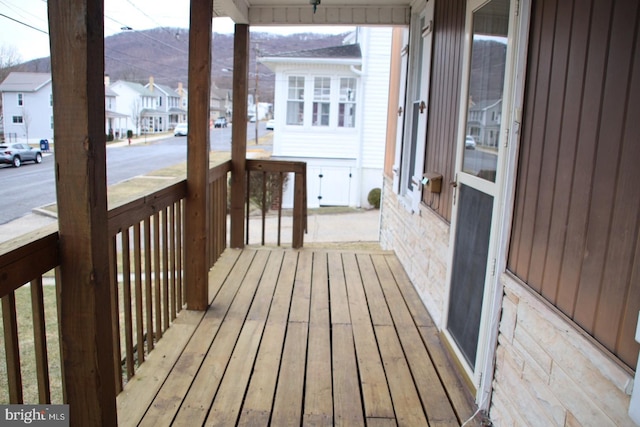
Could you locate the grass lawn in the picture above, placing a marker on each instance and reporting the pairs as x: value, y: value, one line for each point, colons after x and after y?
x: 27, y: 351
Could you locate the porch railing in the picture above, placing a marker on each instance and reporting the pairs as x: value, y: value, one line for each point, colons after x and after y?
x: 266, y: 193
x: 147, y: 288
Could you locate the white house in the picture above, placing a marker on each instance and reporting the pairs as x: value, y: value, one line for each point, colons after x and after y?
x: 168, y: 103
x: 330, y: 111
x: 138, y: 103
x: 115, y: 123
x: 28, y: 107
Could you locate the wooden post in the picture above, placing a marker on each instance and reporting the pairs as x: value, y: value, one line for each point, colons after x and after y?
x: 239, y: 133
x: 76, y: 33
x: 196, y: 274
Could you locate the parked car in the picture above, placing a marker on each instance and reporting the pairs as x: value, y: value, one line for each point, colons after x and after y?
x: 221, y: 122
x: 470, y: 143
x: 270, y: 124
x: 15, y: 154
x: 181, y: 129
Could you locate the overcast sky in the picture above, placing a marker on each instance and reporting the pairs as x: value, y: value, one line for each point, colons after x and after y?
x: 30, y: 38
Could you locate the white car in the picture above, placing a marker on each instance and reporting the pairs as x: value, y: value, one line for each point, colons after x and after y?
x: 182, y: 129
x: 270, y: 124
x: 470, y: 143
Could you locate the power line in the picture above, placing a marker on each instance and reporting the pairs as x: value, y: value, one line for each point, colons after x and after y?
x: 25, y: 24
x: 126, y: 27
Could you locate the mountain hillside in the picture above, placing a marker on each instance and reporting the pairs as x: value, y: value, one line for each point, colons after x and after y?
x: 163, y: 54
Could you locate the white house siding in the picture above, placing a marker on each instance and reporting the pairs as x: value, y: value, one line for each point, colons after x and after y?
x: 562, y: 377
x: 307, y: 140
x: 127, y: 95
x: 376, y: 66
x: 37, y: 106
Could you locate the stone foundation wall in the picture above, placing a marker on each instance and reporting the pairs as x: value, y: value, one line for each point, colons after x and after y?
x: 548, y: 373
x: 421, y: 241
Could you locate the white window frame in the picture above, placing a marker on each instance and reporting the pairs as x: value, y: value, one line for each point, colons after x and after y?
x: 20, y: 99
x: 321, y: 100
x: 17, y: 120
x: 298, y: 79
x: 350, y: 100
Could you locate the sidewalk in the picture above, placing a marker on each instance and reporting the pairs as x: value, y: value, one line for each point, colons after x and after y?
x: 350, y: 226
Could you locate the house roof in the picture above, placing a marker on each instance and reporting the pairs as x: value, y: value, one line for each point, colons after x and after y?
x: 346, y: 51
x: 109, y: 92
x: 141, y: 90
x: 349, y: 54
x: 166, y: 89
x: 24, y: 82
x: 483, y: 105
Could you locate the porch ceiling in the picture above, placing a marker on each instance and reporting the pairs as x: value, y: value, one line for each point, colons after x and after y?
x: 328, y: 12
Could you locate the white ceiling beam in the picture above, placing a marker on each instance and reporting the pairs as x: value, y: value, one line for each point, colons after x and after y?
x: 237, y: 10
x: 330, y: 15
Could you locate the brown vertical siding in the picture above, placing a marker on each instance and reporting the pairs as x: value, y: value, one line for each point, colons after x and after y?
x: 446, y: 74
x: 576, y: 234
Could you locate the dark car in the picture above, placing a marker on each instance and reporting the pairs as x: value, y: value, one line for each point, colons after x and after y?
x: 221, y: 122
x: 15, y: 154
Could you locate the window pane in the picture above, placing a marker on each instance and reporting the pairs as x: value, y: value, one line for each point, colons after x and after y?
x: 295, y: 103
x: 486, y: 85
x: 295, y: 113
x: 347, y: 106
x: 321, y: 113
x: 322, y: 89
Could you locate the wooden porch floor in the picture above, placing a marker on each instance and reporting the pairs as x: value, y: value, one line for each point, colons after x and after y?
x: 306, y: 337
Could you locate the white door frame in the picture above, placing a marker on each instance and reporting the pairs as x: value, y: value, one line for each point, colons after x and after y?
x: 502, y: 191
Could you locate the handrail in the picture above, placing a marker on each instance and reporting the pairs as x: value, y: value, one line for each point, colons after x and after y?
x: 146, y: 261
x: 280, y: 168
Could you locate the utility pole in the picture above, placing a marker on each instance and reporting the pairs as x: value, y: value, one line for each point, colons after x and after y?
x: 255, y: 92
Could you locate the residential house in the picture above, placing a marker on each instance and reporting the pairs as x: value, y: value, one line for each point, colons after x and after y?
x: 330, y: 112
x: 220, y: 103
x: 27, y: 107
x: 140, y: 105
x: 168, y: 101
x: 183, y: 94
x: 116, y: 123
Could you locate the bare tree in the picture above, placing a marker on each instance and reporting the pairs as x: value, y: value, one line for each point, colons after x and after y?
x: 26, y: 122
x: 136, y: 109
x: 9, y: 57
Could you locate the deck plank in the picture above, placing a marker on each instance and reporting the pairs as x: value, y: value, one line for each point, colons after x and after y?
x: 226, y: 408
x: 338, y: 290
x: 406, y: 402
x: 256, y: 410
x: 170, y: 396
x: 301, y: 337
x: 375, y: 390
x: 287, y: 407
x: 199, y: 398
x: 375, y: 297
x: 427, y: 381
x: 346, y: 394
x: 318, y: 388
x: 457, y: 392
x: 149, y: 377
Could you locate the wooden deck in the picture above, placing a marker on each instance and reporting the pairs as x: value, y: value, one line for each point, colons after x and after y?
x: 300, y: 337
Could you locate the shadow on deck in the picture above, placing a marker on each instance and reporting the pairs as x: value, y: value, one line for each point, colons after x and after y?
x: 300, y: 337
